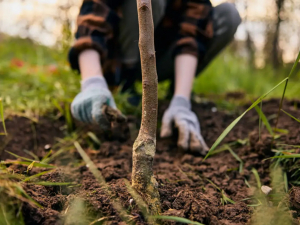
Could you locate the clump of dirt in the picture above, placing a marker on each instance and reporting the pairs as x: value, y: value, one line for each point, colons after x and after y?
x: 189, y: 187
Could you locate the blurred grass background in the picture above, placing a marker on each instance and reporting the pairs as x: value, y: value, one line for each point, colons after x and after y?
x: 35, y: 78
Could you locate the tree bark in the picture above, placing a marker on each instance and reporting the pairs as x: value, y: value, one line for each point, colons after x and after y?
x: 276, y: 52
x: 145, y: 145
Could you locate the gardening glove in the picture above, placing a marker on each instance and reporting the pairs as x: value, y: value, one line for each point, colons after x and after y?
x: 90, y: 105
x: 179, y: 113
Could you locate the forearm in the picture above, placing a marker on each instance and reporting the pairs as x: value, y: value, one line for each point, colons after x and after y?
x: 185, y: 71
x: 90, y: 65
x: 195, y: 32
x: 96, y: 23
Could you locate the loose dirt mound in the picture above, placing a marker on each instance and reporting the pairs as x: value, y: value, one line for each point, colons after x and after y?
x: 185, y: 180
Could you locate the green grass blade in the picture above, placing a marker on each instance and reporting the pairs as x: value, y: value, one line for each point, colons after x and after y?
x: 92, y: 167
x: 12, y: 176
x: 253, y: 205
x: 247, y: 183
x: 46, y: 183
x: 286, y: 183
x: 285, y: 87
x: 264, y: 119
x: 37, y: 175
x: 294, y: 146
x: 22, y: 192
x: 57, y: 105
x: 2, y: 117
x: 94, y: 138
x: 291, y: 116
x: 286, y: 156
x: 44, y: 159
x: 266, y: 94
x: 36, y: 158
x: 213, y: 184
x: 97, y: 174
x: 5, y: 215
x: 259, y: 123
x: 283, y: 131
x: 177, y: 219
x: 56, y: 154
x: 237, y: 158
x: 36, y: 164
x: 224, y: 134
x: 68, y: 118
x: 232, y: 125
x: 224, y: 198
x: 20, y: 157
x: 295, y: 64
x: 257, y: 178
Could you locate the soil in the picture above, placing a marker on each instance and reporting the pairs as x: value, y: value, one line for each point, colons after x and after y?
x: 185, y: 180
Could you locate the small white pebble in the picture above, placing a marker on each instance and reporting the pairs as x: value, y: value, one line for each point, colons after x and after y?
x: 214, y: 109
x: 131, y: 201
x: 266, y: 190
x: 87, y: 165
x: 47, y: 147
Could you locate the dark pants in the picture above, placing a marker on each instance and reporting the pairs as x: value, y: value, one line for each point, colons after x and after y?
x: 226, y: 20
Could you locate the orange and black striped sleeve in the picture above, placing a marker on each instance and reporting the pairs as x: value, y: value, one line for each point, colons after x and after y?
x: 97, y: 23
x: 195, y: 28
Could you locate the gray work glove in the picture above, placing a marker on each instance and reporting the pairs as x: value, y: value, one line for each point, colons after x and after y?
x: 179, y: 113
x: 88, y: 105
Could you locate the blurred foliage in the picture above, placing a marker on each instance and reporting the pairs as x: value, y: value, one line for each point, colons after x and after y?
x: 274, y: 208
x: 35, y: 78
x: 230, y: 72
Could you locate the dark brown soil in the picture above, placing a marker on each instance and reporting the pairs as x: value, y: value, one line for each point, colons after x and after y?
x: 183, y: 178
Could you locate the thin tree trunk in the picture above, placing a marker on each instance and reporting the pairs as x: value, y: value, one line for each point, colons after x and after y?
x: 145, y: 145
x: 249, y: 42
x: 276, y: 54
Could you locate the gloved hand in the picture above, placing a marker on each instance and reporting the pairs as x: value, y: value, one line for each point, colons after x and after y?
x: 88, y: 105
x: 187, y: 123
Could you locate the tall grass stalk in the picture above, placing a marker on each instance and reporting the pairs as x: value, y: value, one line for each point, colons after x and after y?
x: 177, y: 219
x: 263, y: 119
x: 232, y: 125
x: 257, y: 178
x: 2, y: 117
x: 97, y: 174
x: 291, y: 116
x: 284, y: 90
x: 260, y: 127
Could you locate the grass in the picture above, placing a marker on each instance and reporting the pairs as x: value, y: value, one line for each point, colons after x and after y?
x: 32, y: 77
x: 231, y: 126
x: 97, y: 174
x: 285, y: 88
x: 230, y: 73
x: 291, y: 116
x: 274, y: 207
x: 2, y: 118
x: 177, y: 219
x: 224, y: 199
x: 259, y: 100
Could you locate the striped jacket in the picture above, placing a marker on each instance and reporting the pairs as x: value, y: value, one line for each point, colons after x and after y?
x: 186, y: 27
